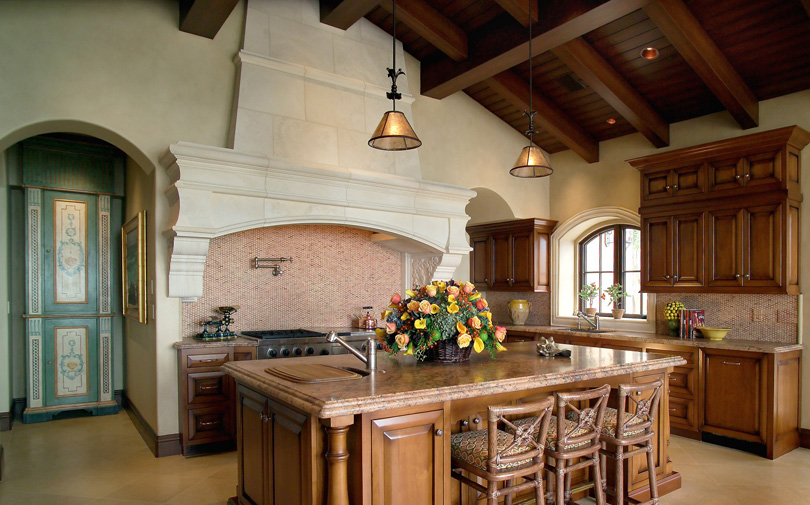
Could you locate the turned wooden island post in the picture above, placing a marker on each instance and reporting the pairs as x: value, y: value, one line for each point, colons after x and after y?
x: 383, y: 439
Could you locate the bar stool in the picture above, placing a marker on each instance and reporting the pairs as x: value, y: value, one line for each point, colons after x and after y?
x: 497, y: 456
x: 631, y: 424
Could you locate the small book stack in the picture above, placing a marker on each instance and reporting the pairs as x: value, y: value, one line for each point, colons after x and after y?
x: 691, y: 319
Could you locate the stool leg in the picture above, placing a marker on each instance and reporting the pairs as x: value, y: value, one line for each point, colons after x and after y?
x: 651, y: 473
x: 597, y: 480
x: 539, y: 496
x: 492, y: 488
x: 560, y: 484
x: 507, y: 500
x: 619, y: 458
x: 568, y: 492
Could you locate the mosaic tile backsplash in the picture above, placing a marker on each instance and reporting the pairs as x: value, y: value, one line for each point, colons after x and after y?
x: 335, y: 271
x: 766, y: 318
x: 539, y: 314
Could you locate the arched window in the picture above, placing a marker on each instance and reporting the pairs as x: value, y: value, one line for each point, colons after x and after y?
x: 613, y: 255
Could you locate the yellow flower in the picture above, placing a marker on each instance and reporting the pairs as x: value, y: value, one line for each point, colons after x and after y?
x: 451, y: 298
x: 452, y: 308
x: 441, y: 285
x: 405, y: 316
x: 473, y: 297
x: 488, y: 315
x: 380, y: 332
x: 460, y: 327
x: 410, y: 293
x: 463, y: 340
x: 420, y: 324
x: 499, y: 347
x: 385, y: 314
x: 431, y: 290
x: 478, y: 344
x: 435, y: 309
x: 413, y: 305
x: 410, y: 350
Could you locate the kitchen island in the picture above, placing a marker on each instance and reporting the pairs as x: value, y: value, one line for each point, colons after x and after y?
x: 384, y: 438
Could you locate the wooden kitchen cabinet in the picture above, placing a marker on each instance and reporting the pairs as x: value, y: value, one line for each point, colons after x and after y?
x: 723, y: 217
x: 733, y: 395
x: 206, y: 396
x: 511, y: 255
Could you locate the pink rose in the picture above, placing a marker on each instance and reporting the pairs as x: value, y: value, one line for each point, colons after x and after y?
x: 396, y: 299
x: 390, y: 328
x: 452, y: 290
x: 402, y: 340
x: 474, y: 323
x: 468, y: 288
x: 500, y: 333
x: 480, y: 304
x: 424, y: 307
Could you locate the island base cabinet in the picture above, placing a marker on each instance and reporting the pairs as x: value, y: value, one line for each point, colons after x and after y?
x: 413, y: 446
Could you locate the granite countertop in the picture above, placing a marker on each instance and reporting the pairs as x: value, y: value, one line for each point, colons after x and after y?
x: 191, y: 343
x: 404, y: 382
x: 729, y: 344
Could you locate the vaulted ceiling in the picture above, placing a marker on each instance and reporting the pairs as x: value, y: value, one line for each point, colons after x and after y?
x: 587, y: 63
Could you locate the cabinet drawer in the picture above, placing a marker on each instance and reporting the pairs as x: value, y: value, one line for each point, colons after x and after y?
x: 514, y: 336
x: 206, y: 360
x: 209, y: 423
x: 682, y: 381
x: 683, y: 413
x: 244, y: 353
x: 689, y: 356
x: 208, y: 387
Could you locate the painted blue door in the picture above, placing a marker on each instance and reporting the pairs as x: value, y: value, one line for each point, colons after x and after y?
x: 71, y: 360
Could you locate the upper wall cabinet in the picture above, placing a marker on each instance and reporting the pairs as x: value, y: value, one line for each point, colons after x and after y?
x: 511, y: 255
x: 723, y: 217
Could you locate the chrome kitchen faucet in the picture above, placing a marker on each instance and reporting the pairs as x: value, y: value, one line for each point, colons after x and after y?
x: 370, y: 359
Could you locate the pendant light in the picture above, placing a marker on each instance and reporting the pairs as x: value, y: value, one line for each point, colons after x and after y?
x: 394, y: 133
x: 531, y: 162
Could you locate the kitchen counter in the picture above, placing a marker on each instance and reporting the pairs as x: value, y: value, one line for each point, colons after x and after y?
x: 192, y: 343
x: 401, y: 381
x: 726, y: 344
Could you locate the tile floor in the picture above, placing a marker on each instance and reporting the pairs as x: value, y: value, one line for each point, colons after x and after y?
x: 103, y: 461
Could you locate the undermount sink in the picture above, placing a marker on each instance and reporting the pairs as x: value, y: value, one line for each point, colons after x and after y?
x: 583, y: 330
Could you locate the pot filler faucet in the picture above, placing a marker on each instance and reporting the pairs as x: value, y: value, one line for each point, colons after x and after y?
x: 370, y: 359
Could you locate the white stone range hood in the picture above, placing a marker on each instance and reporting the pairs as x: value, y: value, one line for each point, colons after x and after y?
x: 216, y: 191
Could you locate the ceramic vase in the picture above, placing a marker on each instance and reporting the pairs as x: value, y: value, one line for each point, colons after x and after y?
x: 590, y: 311
x: 618, y: 313
x: 519, y: 311
x: 674, y: 327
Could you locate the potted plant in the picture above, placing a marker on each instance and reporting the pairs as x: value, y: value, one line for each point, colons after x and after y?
x: 616, y: 294
x: 589, y: 293
x: 443, y: 321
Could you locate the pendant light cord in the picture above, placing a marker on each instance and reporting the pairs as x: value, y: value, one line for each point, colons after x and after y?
x: 531, y: 89
x: 394, y: 50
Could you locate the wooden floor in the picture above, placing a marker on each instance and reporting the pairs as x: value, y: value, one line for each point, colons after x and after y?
x: 103, y: 461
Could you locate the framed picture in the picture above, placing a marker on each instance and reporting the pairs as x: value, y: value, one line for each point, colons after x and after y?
x: 133, y: 267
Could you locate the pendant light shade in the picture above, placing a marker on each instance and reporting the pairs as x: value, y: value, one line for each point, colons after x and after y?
x: 531, y: 163
x: 394, y: 133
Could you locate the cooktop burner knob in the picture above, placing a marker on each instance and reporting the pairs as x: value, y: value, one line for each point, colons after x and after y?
x: 324, y: 352
x: 297, y: 351
x: 363, y: 347
x: 272, y: 353
x: 310, y: 351
x: 285, y: 352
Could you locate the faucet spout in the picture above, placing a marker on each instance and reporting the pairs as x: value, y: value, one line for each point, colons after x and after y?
x: 594, y: 323
x: 370, y: 359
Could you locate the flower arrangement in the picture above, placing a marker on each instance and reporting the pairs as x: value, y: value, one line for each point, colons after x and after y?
x: 429, y: 315
x: 616, y: 294
x: 589, y: 292
x: 672, y: 311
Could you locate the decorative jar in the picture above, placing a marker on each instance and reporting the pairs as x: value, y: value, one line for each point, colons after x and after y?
x: 519, y: 311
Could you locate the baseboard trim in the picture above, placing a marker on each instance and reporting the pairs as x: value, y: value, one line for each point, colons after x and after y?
x: 161, y: 446
x: 804, y: 438
x: 5, y: 421
x: 17, y: 408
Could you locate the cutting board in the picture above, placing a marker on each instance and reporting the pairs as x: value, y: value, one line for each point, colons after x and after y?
x: 310, y: 374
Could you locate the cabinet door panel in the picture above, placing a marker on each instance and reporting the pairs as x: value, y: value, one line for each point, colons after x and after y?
x: 726, y: 174
x: 253, y: 470
x: 762, y: 260
x: 682, y: 413
x: 656, y: 252
x: 724, y: 251
x: 688, y: 180
x: 763, y: 169
x: 522, y: 256
x: 655, y: 185
x: 208, y: 387
x: 688, y: 249
x: 408, y: 444
x: 732, y: 394
x: 501, y: 260
x: 287, y: 451
x: 479, y: 261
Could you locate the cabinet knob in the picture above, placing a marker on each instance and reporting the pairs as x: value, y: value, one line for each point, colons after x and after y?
x: 486, y: 281
x: 736, y: 276
x: 737, y: 177
x: 675, y: 186
x: 666, y: 277
x: 747, y: 176
x: 667, y: 187
x: 476, y: 420
x: 465, y: 422
x: 439, y: 433
x: 675, y: 277
x: 747, y: 276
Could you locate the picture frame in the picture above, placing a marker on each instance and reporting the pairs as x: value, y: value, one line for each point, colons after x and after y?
x: 133, y: 267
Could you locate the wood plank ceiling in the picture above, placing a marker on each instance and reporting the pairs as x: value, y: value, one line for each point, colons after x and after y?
x: 587, y: 66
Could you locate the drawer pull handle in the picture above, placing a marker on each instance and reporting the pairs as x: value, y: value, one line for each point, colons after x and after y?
x: 672, y: 410
x: 731, y: 363
x: 211, y: 360
x: 208, y: 423
x: 208, y: 388
x: 673, y: 379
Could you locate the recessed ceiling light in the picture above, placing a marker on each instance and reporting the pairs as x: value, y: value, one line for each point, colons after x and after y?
x: 649, y: 53
x: 611, y: 121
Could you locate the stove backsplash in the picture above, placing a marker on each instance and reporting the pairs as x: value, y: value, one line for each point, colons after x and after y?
x: 335, y: 271
x: 539, y: 315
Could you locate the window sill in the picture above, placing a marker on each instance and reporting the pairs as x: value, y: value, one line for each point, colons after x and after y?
x: 634, y: 325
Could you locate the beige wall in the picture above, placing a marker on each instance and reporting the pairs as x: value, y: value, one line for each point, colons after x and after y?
x: 576, y: 186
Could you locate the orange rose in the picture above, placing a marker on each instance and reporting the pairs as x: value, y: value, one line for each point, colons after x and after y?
x: 390, y: 328
x: 402, y: 340
x: 431, y: 290
x: 413, y: 305
x: 452, y: 290
x: 474, y: 323
x: 463, y: 340
x: 396, y: 299
x: 424, y: 307
x: 468, y: 288
x: 500, y: 333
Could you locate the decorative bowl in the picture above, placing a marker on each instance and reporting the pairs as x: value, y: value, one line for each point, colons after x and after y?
x: 712, y: 333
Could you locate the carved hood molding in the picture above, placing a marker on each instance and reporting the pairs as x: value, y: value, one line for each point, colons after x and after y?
x: 217, y: 191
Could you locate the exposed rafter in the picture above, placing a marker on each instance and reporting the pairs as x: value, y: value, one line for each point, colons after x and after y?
x: 683, y: 30
x: 591, y: 67
x: 515, y: 90
x: 502, y: 44
x: 344, y: 13
x: 204, y: 17
x: 519, y: 9
x: 432, y: 25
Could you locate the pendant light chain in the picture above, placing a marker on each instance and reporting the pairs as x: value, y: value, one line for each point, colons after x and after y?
x: 531, y: 88
x: 394, y: 48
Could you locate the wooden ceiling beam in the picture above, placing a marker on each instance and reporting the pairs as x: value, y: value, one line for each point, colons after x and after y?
x: 515, y: 90
x: 430, y: 24
x: 502, y: 43
x: 684, y: 31
x: 806, y: 5
x: 204, y: 17
x: 519, y: 9
x: 344, y: 13
x: 589, y: 65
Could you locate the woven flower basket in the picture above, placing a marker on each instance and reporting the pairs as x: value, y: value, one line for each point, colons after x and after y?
x: 448, y: 351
